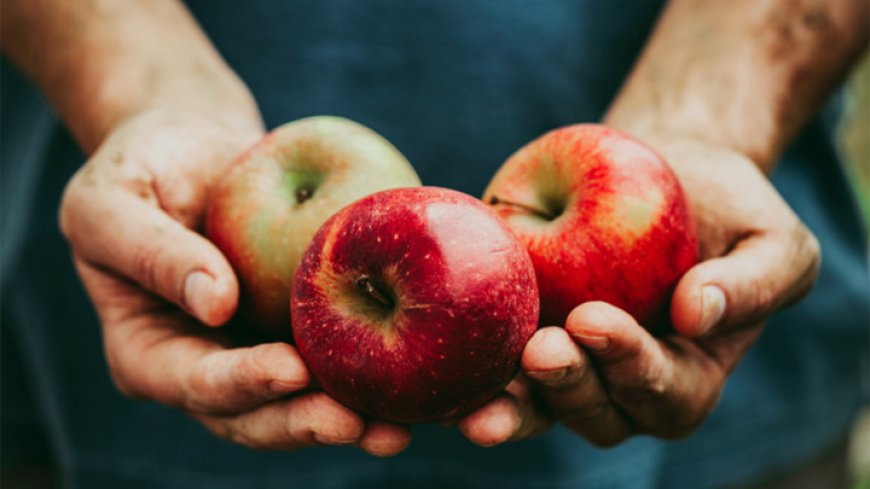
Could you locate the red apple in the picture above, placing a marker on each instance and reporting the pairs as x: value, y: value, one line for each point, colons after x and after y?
x: 603, y: 218
x: 414, y: 305
x: 265, y: 210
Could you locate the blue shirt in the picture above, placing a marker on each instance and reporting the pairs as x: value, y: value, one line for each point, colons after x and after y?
x: 457, y: 86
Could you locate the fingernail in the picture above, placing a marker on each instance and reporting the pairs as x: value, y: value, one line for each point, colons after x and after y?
x: 712, y: 307
x: 594, y: 343
x: 329, y: 440
x: 549, y: 377
x: 197, y: 287
x: 283, y: 386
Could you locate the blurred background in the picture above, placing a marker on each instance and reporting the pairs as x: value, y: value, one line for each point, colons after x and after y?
x: 25, y: 460
x: 856, y: 134
x: 855, y: 140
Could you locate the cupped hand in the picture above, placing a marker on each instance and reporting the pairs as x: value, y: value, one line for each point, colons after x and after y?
x: 131, y: 215
x: 607, y: 378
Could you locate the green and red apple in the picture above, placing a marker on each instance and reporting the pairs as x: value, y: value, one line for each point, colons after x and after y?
x: 265, y: 210
x: 414, y: 305
x: 603, y: 217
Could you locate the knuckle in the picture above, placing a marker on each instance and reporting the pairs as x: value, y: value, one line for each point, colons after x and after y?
x: 254, y: 366
x: 257, y: 361
x: 196, y: 386
x: 251, y: 371
x: 763, y: 298
x: 198, y: 393
x: 649, y: 387
x: 145, y: 263
x: 803, y: 258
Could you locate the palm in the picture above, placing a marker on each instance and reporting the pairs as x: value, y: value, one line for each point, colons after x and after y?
x: 606, y: 377
x: 130, y: 215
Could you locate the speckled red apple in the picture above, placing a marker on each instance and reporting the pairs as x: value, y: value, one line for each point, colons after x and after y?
x: 265, y: 211
x: 414, y: 305
x: 603, y: 218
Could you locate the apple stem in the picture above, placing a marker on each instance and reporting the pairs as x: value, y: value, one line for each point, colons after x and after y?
x: 303, y: 194
x: 366, y: 284
x: 531, y: 210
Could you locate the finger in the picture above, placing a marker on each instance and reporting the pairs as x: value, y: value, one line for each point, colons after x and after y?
x: 570, y: 386
x: 492, y: 424
x: 513, y: 415
x: 666, y: 389
x: 383, y: 439
x: 762, y: 274
x: 121, y: 232
x: 193, y: 374
x: 534, y: 417
x: 196, y: 377
x: 238, y: 379
x: 155, y: 352
x: 310, y: 419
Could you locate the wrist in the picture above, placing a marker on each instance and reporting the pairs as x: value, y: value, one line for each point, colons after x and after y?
x: 743, y: 76
x: 110, y: 101
x: 103, y: 93
x: 100, y: 64
x: 758, y: 137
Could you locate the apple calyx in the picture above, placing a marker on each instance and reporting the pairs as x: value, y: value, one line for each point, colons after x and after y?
x: 367, y: 285
x: 300, y: 185
x: 303, y: 194
x: 495, y: 200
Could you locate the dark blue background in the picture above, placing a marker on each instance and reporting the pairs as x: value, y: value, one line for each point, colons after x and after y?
x: 457, y: 86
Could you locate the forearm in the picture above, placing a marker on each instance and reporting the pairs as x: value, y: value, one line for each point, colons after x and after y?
x: 744, y: 74
x: 100, y: 62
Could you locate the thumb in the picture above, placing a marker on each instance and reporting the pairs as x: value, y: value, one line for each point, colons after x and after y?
x: 131, y: 237
x: 764, y: 272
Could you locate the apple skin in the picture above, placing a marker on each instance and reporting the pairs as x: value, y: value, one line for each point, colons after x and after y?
x: 604, y: 219
x: 458, y: 303
x: 265, y: 210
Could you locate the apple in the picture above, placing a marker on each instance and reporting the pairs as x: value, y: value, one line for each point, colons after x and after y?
x: 265, y: 210
x: 414, y: 305
x: 603, y: 218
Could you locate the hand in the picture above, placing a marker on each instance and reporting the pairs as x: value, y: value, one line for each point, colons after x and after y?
x: 130, y: 215
x: 607, y: 378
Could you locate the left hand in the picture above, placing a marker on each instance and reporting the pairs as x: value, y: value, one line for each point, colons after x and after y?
x: 607, y: 378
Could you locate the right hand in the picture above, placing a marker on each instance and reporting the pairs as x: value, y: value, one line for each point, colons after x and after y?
x: 130, y: 214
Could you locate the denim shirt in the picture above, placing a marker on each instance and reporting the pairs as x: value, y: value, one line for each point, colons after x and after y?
x: 457, y: 86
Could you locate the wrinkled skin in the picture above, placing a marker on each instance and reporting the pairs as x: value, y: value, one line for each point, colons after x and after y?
x: 130, y: 215
x: 607, y: 378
